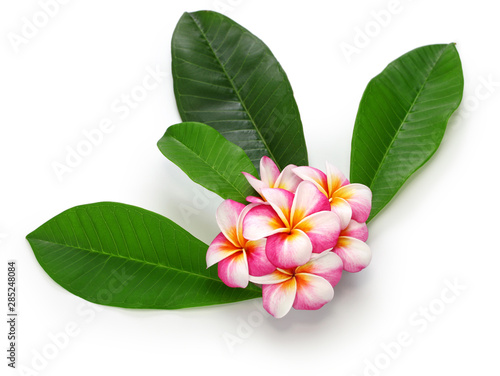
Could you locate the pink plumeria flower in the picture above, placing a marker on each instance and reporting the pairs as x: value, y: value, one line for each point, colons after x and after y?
x: 238, y: 258
x: 351, y: 247
x: 272, y: 178
x: 349, y: 201
x: 295, y: 225
x: 309, y: 286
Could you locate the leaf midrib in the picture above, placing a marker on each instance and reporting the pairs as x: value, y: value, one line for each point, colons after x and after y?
x: 375, y: 176
x: 210, y: 166
x: 240, y: 99
x: 126, y: 258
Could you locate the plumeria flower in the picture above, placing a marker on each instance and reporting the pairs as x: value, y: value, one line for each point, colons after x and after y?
x: 309, y: 286
x: 272, y: 178
x: 238, y: 258
x: 295, y: 225
x: 349, y: 201
x: 351, y: 247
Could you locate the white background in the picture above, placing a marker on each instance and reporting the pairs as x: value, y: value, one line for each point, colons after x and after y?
x: 442, y: 228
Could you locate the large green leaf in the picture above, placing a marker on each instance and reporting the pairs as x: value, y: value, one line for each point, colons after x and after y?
x: 209, y: 159
x: 226, y: 77
x: 120, y: 255
x: 402, y: 118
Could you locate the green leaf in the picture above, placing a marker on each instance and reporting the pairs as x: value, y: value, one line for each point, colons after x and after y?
x: 209, y: 159
x: 226, y: 77
x: 120, y: 255
x: 402, y: 118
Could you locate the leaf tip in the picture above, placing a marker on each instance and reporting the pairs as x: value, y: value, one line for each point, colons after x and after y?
x: 30, y: 235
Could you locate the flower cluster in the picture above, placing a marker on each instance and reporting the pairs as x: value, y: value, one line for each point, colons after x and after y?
x: 296, y: 238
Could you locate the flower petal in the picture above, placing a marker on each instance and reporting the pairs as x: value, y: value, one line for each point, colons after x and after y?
x: 359, y: 197
x: 322, y: 228
x: 227, y: 219
x: 262, y: 221
x: 268, y: 172
x: 281, y: 200
x: 313, y: 292
x: 255, y: 200
x: 233, y: 270
x: 288, y: 250
x: 356, y: 230
x: 288, y: 179
x: 327, y: 265
x: 239, y: 226
x: 254, y: 182
x: 313, y: 175
x: 342, y: 208
x: 355, y: 254
x: 335, y: 178
x: 219, y: 249
x: 278, y: 298
x: 277, y: 276
x: 258, y: 264
x: 308, y: 200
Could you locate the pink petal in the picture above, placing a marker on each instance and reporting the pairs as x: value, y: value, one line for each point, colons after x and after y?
x: 268, y: 172
x: 313, y: 292
x: 355, y: 254
x: 278, y: 298
x: 342, y: 208
x: 281, y: 200
x: 288, y: 179
x: 322, y: 228
x: 255, y: 200
x: 233, y: 270
x: 359, y: 197
x: 239, y: 225
x: 288, y: 250
x: 356, y: 230
x: 227, y: 219
x: 327, y: 265
x: 308, y: 200
x: 277, y: 276
x: 219, y: 249
x: 335, y: 177
x: 313, y: 175
x: 254, y: 182
x: 262, y: 221
x: 258, y: 264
